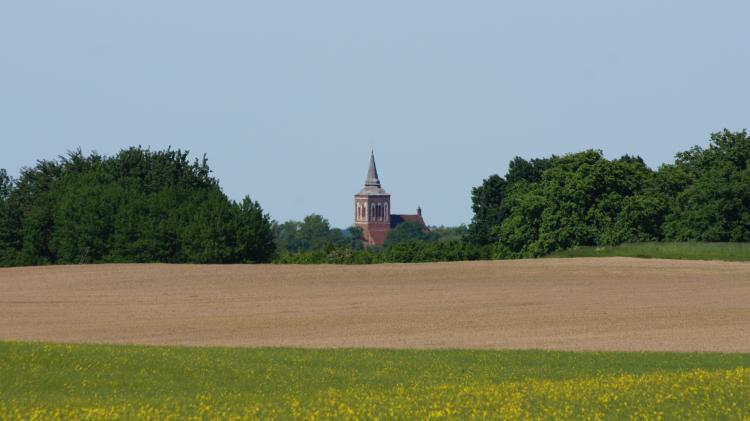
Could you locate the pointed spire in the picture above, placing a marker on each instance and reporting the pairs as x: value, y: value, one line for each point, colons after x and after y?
x: 372, y: 173
x: 372, y: 183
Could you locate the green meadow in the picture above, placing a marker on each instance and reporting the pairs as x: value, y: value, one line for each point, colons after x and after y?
x: 52, y: 381
x: 739, y: 252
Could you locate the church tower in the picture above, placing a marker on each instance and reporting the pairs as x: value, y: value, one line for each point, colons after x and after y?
x: 372, y: 208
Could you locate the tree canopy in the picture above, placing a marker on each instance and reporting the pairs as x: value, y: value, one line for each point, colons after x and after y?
x: 159, y: 206
x: 314, y: 233
x: 137, y: 206
x: 584, y: 199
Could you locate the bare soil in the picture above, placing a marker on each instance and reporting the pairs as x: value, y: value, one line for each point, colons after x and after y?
x: 573, y: 304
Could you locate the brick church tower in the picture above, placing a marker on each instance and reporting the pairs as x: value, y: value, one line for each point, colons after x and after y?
x: 372, y: 208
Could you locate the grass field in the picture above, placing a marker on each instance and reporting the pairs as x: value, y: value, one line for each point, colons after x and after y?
x: 43, y: 381
x: 738, y: 252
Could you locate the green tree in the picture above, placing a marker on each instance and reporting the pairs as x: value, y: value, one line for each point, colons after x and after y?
x: 487, y: 200
x: 712, y: 201
x: 531, y: 171
x: 581, y: 199
x: 9, y: 233
x: 255, y: 240
x: 354, y: 236
x: 407, y: 231
x: 137, y: 206
x: 442, y: 233
x: 287, y: 236
x: 32, y: 202
x: 314, y: 232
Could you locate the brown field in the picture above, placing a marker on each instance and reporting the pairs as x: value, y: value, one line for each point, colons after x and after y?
x: 576, y: 304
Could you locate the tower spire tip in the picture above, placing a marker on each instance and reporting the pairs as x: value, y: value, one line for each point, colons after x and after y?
x: 372, y: 172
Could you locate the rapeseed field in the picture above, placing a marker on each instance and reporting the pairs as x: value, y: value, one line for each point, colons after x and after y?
x: 47, y: 381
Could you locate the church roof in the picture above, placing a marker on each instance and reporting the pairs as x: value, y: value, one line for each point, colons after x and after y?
x: 399, y: 219
x: 372, y: 183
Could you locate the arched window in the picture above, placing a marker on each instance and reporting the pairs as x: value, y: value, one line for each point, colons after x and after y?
x: 387, y: 214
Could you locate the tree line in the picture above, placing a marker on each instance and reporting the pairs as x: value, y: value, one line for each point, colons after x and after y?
x: 158, y: 206
x: 583, y: 199
x: 137, y: 206
x: 314, y: 241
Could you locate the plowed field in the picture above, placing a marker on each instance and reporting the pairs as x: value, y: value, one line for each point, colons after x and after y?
x: 571, y: 304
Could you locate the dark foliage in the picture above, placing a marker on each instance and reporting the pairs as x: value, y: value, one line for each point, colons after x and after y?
x: 410, y: 251
x: 408, y: 231
x: 583, y: 199
x: 488, y: 212
x: 314, y: 241
x: 711, y: 191
x: 145, y: 206
x: 137, y: 206
x: 314, y: 234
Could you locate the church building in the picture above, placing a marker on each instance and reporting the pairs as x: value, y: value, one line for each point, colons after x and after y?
x: 372, y: 210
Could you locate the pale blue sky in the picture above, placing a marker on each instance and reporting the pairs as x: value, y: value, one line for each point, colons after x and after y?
x: 287, y: 98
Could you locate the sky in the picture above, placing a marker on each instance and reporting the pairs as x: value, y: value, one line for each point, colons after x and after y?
x: 287, y: 99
